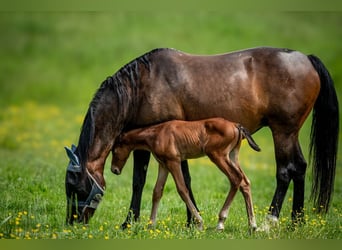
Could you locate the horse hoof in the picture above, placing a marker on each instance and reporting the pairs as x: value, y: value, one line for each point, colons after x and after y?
x: 220, y: 227
x: 272, y: 220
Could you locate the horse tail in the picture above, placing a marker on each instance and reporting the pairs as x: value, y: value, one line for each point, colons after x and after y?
x: 324, y: 138
x: 245, y: 133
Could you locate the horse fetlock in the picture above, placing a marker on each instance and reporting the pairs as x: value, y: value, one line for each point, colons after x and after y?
x: 272, y: 220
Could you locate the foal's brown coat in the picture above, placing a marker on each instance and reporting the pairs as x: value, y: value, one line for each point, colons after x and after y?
x: 174, y: 141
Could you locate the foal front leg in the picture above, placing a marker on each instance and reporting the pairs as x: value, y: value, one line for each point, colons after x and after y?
x: 174, y: 168
x: 158, y: 192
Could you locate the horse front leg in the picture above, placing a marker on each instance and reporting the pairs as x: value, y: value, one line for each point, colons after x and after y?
x: 141, y: 159
x: 187, y: 180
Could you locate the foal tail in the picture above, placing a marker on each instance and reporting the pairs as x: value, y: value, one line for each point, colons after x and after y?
x: 324, y: 138
x: 245, y: 133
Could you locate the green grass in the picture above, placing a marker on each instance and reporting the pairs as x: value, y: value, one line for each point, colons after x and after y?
x: 51, y: 65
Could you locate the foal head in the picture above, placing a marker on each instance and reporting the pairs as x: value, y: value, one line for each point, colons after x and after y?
x: 120, y: 154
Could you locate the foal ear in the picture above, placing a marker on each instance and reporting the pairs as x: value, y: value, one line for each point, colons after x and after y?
x: 71, y: 155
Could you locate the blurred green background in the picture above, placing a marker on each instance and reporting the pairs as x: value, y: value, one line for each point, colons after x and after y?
x: 51, y: 64
x: 61, y: 58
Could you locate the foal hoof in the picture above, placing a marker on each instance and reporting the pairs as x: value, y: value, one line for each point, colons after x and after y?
x: 200, y: 227
x: 253, y: 228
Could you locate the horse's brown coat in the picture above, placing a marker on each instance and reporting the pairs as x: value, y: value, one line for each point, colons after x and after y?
x: 257, y: 87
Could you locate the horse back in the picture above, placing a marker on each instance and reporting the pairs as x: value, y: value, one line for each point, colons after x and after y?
x: 253, y: 87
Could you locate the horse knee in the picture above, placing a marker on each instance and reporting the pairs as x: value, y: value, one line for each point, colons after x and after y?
x: 299, y: 173
x: 283, y: 175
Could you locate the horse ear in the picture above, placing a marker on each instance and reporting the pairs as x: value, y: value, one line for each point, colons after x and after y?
x: 71, y: 155
x: 73, y: 148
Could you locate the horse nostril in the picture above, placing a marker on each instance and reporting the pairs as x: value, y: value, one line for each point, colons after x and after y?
x: 116, y: 171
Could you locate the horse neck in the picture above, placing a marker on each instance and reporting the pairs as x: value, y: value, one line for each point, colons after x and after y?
x: 102, y: 125
x: 112, y: 107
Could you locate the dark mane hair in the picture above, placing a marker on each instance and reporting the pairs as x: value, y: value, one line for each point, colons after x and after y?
x: 126, y: 77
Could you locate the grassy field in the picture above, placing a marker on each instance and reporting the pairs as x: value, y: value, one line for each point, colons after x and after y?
x: 51, y: 65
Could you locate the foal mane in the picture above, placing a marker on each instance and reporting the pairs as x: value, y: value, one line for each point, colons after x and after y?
x: 124, y: 84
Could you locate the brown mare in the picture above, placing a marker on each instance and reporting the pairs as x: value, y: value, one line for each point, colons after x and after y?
x: 257, y: 87
x: 174, y: 141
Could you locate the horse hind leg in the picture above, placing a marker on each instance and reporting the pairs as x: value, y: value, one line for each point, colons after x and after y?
x: 291, y: 165
x: 298, y: 186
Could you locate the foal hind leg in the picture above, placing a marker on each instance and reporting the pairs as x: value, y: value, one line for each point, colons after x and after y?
x: 158, y: 192
x: 245, y: 189
x: 235, y: 178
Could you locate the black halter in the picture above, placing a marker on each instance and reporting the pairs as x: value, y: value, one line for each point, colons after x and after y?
x: 96, y: 193
x: 94, y: 197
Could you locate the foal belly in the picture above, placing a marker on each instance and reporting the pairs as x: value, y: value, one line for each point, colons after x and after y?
x: 191, y: 153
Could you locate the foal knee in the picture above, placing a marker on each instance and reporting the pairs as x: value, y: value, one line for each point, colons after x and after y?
x: 157, y: 193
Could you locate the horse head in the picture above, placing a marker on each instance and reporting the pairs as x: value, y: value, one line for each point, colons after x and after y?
x: 82, y: 190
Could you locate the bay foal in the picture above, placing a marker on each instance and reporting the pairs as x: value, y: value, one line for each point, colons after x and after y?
x: 174, y: 141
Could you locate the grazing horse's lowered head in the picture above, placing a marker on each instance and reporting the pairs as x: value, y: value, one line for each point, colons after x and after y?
x: 83, y: 192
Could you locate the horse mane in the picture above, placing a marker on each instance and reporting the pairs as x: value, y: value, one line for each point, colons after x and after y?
x: 126, y: 77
